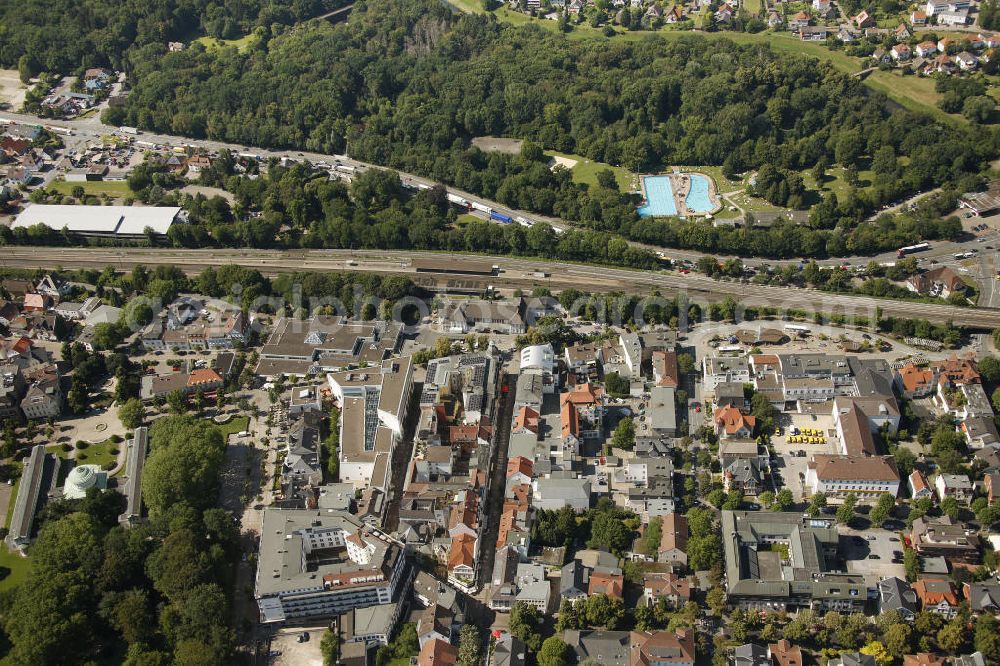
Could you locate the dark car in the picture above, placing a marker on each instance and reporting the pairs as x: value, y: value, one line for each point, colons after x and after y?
x: 873, y: 556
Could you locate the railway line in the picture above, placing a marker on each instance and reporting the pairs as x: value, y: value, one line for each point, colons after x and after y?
x: 512, y: 272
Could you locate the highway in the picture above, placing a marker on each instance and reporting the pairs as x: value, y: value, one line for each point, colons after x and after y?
x: 514, y: 273
x: 91, y: 129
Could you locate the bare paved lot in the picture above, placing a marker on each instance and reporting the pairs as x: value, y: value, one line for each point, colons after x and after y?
x: 293, y: 653
x: 12, y: 91
x: 495, y: 144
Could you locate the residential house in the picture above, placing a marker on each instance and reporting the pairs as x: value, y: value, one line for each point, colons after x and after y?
x: 980, y: 432
x: 926, y: 49
x: 607, y: 581
x: 508, y: 650
x: 863, y: 20
x: 897, y: 595
x: 784, y: 653
x: 799, y: 20
x: 937, y: 596
x: 665, y: 371
x: 919, y: 488
x: 933, y: 537
x: 991, y: 485
x: 724, y: 15
x: 966, y: 61
x: 953, y: 485
x: 437, y: 652
x: 36, y: 303
x: 673, y: 539
x: 940, y: 282
x: 918, y: 17
x: 673, y: 588
x: 903, y: 32
x: 900, y: 52
x: 913, y: 381
x: 674, y: 15
x: 923, y: 659
x: 574, y: 583
x: 814, y: 33
x: 750, y: 654
x: 663, y: 648
x: 852, y: 659
x: 717, y: 369
x: 983, y: 597
x: 731, y: 423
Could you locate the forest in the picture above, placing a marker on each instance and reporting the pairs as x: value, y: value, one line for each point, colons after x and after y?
x: 62, y: 36
x: 408, y: 85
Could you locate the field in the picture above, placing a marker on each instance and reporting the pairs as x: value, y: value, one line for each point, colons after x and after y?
x: 495, y: 144
x: 233, y: 425
x: 241, y: 44
x: 834, y: 181
x: 13, y: 569
x: 585, y: 171
x: 12, y: 91
x: 113, y: 188
x: 465, y: 218
x: 92, y: 454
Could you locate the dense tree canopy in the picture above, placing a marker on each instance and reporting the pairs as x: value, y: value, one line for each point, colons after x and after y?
x: 409, y: 84
x: 63, y: 35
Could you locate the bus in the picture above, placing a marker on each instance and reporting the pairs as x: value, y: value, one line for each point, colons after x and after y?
x: 910, y: 249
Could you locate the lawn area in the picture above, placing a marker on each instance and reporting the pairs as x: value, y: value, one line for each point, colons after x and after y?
x: 14, y: 567
x: 233, y: 425
x: 241, y: 44
x: 915, y: 93
x: 749, y: 203
x: 92, y: 454
x: 585, y: 171
x: 465, y: 218
x: 835, y: 182
x: 114, y: 188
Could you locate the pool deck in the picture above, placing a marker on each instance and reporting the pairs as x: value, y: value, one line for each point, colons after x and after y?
x: 680, y: 184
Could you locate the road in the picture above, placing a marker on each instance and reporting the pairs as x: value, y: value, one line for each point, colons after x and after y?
x: 92, y: 128
x: 514, y: 273
x: 496, y: 480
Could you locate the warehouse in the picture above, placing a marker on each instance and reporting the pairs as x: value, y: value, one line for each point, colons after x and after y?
x: 104, y: 221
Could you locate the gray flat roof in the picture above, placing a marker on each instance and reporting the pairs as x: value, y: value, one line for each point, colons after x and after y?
x: 137, y: 447
x: 109, y: 220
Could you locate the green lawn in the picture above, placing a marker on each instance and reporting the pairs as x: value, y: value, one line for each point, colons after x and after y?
x: 915, y: 93
x: 241, y: 44
x: 233, y: 425
x: 14, y: 566
x: 114, y: 188
x: 93, y: 454
x: 465, y: 218
x: 585, y: 171
x: 834, y: 181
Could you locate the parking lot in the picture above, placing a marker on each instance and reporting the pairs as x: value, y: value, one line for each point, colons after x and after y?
x: 791, y: 468
x: 287, y: 651
x: 858, y: 547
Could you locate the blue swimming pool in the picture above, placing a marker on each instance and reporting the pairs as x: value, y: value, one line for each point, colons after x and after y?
x: 659, y: 197
x: 698, y: 200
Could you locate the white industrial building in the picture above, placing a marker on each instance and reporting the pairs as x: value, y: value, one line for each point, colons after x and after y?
x: 105, y: 221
